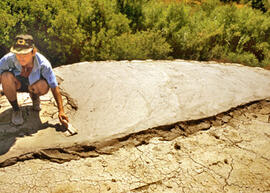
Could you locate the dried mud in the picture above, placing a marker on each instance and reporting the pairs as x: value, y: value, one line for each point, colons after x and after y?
x: 225, y: 153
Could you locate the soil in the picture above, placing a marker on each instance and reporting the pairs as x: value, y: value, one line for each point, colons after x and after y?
x: 225, y: 153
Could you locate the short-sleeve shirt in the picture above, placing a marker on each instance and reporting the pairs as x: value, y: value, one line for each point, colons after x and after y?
x: 42, y: 68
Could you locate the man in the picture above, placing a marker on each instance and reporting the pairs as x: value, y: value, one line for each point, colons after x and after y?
x: 26, y: 70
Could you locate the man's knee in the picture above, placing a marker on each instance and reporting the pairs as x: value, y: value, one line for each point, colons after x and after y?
x: 39, y: 88
x: 7, y: 76
x: 8, y: 80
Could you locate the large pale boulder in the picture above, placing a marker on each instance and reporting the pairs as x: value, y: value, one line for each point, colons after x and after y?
x: 124, y: 97
x: 115, y: 99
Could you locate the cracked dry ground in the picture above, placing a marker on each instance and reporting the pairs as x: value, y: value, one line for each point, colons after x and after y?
x: 226, y: 153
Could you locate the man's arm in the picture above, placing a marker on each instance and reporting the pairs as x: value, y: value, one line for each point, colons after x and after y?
x: 1, y: 89
x: 58, y: 98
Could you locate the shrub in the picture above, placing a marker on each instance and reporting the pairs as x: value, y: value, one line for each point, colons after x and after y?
x: 68, y: 31
x: 212, y: 30
x: 49, y: 21
x: 169, y: 19
x: 65, y: 31
x: 246, y: 58
x: 7, y: 23
x: 101, y: 23
x: 141, y: 45
x: 133, y: 11
x: 246, y: 34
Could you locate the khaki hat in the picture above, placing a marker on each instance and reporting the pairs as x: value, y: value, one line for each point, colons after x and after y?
x: 23, y: 44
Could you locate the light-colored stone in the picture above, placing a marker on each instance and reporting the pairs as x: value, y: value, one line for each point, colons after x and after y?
x: 117, y: 99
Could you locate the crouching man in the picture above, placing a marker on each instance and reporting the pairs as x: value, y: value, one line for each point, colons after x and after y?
x: 26, y: 70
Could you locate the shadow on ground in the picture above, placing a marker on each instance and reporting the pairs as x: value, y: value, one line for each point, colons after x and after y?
x: 9, y: 133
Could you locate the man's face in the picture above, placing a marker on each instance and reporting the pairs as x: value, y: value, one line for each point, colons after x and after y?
x: 25, y: 59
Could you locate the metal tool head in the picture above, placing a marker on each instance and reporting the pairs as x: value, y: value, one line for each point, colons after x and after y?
x: 70, y: 129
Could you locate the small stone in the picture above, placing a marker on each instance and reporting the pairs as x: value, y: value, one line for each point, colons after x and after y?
x: 226, y: 118
x: 177, y: 146
x: 217, y: 123
x: 255, y: 116
x: 204, y: 125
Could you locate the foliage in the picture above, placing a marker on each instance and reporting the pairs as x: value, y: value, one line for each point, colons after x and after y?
x: 133, y: 11
x: 65, y: 31
x: 49, y: 21
x: 101, y: 22
x: 212, y: 31
x: 142, y: 45
x: 68, y: 31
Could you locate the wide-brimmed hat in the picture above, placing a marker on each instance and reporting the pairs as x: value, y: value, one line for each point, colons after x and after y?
x: 23, y: 44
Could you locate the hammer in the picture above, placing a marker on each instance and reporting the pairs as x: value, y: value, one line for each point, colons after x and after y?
x: 70, y: 129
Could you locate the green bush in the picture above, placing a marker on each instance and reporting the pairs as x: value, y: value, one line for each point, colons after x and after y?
x: 68, y: 31
x: 141, y: 45
x: 101, y: 24
x: 65, y: 31
x: 246, y: 34
x: 189, y: 30
x: 168, y: 18
x: 133, y: 11
x: 50, y: 22
x: 7, y: 25
x: 246, y: 58
x: 212, y: 31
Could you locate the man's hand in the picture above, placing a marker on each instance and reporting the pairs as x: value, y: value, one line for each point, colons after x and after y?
x: 1, y: 92
x: 58, y: 98
x: 63, y: 118
x: 1, y: 88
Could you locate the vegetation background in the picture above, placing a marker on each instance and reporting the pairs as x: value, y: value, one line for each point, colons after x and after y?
x: 69, y: 31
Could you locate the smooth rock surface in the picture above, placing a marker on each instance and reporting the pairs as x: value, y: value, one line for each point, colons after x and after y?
x: 116, y: 99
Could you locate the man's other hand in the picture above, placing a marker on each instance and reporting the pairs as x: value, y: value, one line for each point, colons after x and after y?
x: 63, y: 118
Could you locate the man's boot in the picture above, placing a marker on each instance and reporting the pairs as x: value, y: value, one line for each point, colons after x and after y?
x: 17, y: 118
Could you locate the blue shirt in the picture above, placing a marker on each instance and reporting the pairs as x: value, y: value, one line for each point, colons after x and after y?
x: 42, y: 67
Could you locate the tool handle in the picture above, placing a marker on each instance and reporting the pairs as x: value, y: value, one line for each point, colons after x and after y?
x: 70, y: 128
